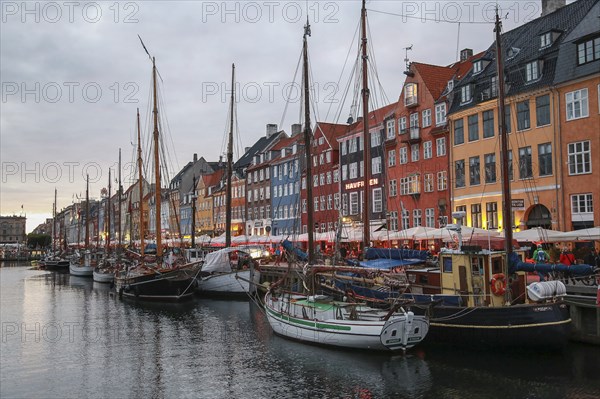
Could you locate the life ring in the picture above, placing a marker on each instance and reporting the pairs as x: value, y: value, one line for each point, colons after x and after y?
x: 498, y: 284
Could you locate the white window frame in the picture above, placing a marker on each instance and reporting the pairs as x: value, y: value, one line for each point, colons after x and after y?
x: 426, y: 117
x: 440, y: 146
x: 427, y: 150
x: 579, y: 157
x: 440, y: 114
x: 576, y: 104
x: 377, y: 200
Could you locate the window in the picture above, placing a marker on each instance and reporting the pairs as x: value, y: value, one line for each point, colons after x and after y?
x: 321, y: 140
x: 442, y: 180
x: 426, y: 117
x: 474, y: 127
x: 393, y: 221
x: 428, y: 182
x: 322, y: 202
x: 353, y: 170
x: 427, y: 150
x: 440, y: 146
x: 429, y: 217
x: 440, y: 114
x: 582, y: 203
x: 336, y: 201
x: 402, y: 125
x: 532, y: 71
x: 507, y: 121
x: 542, y: 110
x: 329, y: 177
x: 377, y: 200
x: 321, y: 159
x: 414, y: 152
x: 375, y: 139
x: 588, y: 51
x: 275, y: 171
x: 494, y: 86
x: 577, y: 104
x: 352, y: 147
x: 525, y: 169
x: 390, y: 128
x: 405, y: 219
x: 476, y: 215
x: 490, y: 168
x: 327, y: 157
x: 344, y: 172
x: 403, y: 155
x: 362, y: 168
x: 417, y: 217
x: 465, y: 94
x: 477, y: 67
x: 345, y: 204
x: 336, y: 176
x: 410, y: 185
x: 491, y: 215
x: 523, y: 115
x: 545, y: 40
x: 510, y: 165
x: 410, y: 94
x: 459, y: 134
x: 579, y: 158
x: 376, y: 165
x: 462, y: 208
x: 474, y: 171
x: 414, y: 119
x: 450, y: 85
x: 392, y: 158
x: 459, y: 172
x: 316, y: 203
x: 488, y: 123
x: 322, y: 179
x: 393, y: 188
x: 354, y: 203
x: 343, y: 147
x: 545, y: 159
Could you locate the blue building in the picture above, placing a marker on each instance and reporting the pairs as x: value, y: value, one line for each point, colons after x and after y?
x: 285, y: 188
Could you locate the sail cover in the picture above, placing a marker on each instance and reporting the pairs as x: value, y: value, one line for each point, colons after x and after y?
x: 218, y: 261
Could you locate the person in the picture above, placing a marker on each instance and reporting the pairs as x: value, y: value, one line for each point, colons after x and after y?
x: 567, y: 257
x: 277, y: 256
x: 343, y: 252
x: 540, y: 256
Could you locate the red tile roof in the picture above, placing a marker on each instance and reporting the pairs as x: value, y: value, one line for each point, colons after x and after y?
x: 331, y: 131
x: 435, y: 77
x: 375, y: 118
x: 213, y: 178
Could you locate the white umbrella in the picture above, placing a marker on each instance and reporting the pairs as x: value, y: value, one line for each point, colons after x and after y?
x: 409, y: 234
x: 448, y: 235
x: 591, y: 234
x: 538, y: 234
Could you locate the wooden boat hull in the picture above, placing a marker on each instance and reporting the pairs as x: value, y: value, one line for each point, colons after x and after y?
x: 61, y: 266
x: 235, y: 285
x: 172, y: 286
x: 104, y: 276
x: 525, y: 325
x: 288, y: 320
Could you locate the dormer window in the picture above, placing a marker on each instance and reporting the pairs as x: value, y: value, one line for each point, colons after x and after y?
x: 512, y: 52
x: 477, y: 67
x: 588, y: 51
x: 532, y: 71
x: 410, y: 94
x: 546, y: 40
x: 465, y: 94
x: 450, y: 85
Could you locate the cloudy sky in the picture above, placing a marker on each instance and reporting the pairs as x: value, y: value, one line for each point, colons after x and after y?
x: 73, y: 74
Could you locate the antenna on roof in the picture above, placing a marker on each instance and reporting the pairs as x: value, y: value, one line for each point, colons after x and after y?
x: 406, y: 56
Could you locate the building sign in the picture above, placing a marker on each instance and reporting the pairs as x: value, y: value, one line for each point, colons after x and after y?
x: 518, y: 204
x: 359, y: 184
x: 258, y: 223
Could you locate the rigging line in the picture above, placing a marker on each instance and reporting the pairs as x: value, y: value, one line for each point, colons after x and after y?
x: 458, y: 42
x: 289, y: 94
x: 344, y: 67
x: 424, y: 19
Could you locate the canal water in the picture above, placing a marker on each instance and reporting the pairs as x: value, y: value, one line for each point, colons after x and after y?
x: 68, y: 337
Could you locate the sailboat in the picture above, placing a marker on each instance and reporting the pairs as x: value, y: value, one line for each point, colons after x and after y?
x: 78, y: 266
x: 319, y: 319
x: 104, y: 272
x: 158, y: 277
x: 54, y: 261
x: 229, y: 271
x: 480, y: 297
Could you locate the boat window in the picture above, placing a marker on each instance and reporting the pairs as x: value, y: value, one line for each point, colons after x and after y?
x: 423, y: 279
x: 416, y: 330
x: 476, y: 266
x: 447, y: 265
x: 393, y: 333
x: 496, y: 265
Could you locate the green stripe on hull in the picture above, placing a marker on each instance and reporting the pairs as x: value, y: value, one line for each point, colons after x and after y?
x: 309, y: 323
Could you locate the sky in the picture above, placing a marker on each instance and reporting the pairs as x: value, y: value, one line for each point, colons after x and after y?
x: 74, y: 73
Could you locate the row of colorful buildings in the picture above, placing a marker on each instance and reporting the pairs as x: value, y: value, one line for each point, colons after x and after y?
x: 434, y: 151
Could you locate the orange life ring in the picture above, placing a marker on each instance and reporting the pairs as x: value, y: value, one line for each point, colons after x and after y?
x: 498, y: 284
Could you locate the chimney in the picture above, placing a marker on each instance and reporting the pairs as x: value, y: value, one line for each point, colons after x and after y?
x: 549, y: 6
x: 195, y: 157
x: 271, y: 129
x: 465, y: 54
x: 296, y: 129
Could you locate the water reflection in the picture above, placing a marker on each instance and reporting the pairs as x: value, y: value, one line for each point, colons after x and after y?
x: 216, y: 349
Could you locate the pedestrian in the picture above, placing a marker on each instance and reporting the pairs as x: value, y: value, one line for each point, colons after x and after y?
x: 540, y: 256
x: 277, y: 256
x: 567, y: 257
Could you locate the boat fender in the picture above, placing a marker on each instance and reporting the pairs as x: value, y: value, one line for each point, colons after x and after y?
x: 498, y: 284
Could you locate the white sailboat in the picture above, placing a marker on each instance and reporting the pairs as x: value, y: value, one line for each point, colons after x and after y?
x: 78, y: 266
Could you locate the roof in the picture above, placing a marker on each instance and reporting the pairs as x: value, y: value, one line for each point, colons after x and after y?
x: 214, y: 178
x: 258, y: 147
x: 331, y: 131
x: 434, y: 77
x: 525, y: 39
x: 375, y: 118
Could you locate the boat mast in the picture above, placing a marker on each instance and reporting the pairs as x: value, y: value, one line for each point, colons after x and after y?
x: 119, y: 201
x: 229, y: 164
x: 141, y: 188
x: 108, y: 214
x: 506, y: 197
x: 157, y: 196
x: 366, y: 143
x: 194, y: 212
x: 307, y: 147
x: 54, y: 224
x: 87, y: 211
